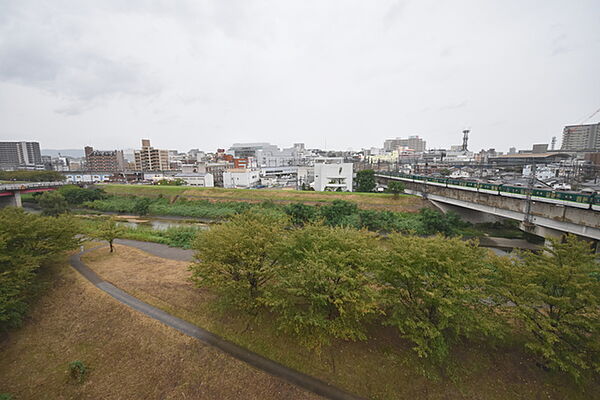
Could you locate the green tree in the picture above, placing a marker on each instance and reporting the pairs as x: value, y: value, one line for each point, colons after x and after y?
x: 325, y: 289
x: 53, y: 204
x: 238, y: 258
x: 76, y: 195
x: 28, y: 242
x: 396, y: 188
x: 301, y: 214
x: 338, y: 212
x: 365, y: 180
x: 108, y: 230
x: 437, y: 222
x: 141, y: 206
x: 556, y: 296
x: 433, y: 291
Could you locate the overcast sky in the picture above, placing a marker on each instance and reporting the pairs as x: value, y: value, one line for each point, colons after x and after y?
x: 342, y: 74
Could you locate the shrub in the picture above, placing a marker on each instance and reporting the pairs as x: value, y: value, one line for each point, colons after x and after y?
x: 78, y: 371
x: 434, y: 221
x: 301, y: 214
x: 142, y: 206
x: 76, y: 195
x: 53, y: 204
x: 335, y: 212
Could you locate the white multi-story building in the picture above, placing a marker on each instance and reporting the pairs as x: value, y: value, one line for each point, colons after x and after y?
x: 333, y: 174
x: 201, y: 179
x: 241, y: 178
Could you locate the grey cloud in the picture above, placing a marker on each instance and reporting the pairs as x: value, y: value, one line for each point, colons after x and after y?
x: 394, y: 13
x: 454, y: 106
x: 559, y: 45
x: 37, y: 53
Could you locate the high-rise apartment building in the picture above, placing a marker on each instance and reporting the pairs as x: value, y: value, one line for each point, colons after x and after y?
x: 412, y: 142
x: 581, y: 137
x: 99, y: 160
x: 14, y: 155
x: 151, y: 159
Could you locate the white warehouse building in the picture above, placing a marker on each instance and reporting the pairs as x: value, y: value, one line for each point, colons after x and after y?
x: 333, y: 174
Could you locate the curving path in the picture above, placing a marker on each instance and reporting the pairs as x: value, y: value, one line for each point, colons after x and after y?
x: 290, y: 375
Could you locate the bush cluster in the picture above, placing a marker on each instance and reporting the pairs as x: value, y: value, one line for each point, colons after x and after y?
x: 324, y: 282
x: 336, y: 213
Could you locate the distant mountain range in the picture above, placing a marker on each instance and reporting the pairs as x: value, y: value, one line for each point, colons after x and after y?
x: 63, y: 152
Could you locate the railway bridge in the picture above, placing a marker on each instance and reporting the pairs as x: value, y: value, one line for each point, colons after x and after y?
x: 544, y: 217
x: 10, y: 193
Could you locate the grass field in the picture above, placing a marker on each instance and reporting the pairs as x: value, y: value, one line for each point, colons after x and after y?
x: 129, y: 355
x: 383, y: 368
x: 383, y: 201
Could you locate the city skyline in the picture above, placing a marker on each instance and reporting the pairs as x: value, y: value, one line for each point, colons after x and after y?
x: 338, y: 75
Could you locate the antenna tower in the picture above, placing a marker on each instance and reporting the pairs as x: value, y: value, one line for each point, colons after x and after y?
x: 465, y: 139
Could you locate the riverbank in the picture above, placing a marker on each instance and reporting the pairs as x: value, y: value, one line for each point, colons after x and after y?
x: 379, y: 201
x: 382, y: 368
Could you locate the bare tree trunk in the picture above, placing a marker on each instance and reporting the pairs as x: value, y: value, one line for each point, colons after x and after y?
x: 111, y: 245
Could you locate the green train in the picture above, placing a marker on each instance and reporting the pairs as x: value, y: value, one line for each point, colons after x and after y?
x: 572, y: 199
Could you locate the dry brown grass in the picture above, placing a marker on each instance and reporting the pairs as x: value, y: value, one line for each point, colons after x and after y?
x: 382, y: 368
x: 130, y: 355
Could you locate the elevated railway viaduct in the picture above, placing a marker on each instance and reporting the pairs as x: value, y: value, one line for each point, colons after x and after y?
x: 546, y: 218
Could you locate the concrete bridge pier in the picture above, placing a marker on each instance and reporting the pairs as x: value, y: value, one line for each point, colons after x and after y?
x: 548, y: 233
x: 11, y: 201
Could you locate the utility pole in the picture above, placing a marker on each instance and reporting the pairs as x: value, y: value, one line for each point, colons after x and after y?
x: 528, y: 217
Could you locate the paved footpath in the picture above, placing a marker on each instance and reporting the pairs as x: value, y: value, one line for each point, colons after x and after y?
x: 159, y: 250
x: 271, y: 367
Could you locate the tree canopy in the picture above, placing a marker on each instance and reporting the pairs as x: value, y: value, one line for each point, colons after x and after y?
x: 325, y: 290
x: 433, y: 291
x: 365, y: 180
x: 395, y: 187
x: 108, y: 230
x: 239, y: 257
x: 556, y: 295
x: 53, y: 203
x: 27, y: 241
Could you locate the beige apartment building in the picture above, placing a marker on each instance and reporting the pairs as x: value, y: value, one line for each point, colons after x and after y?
x: 150, y: 159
